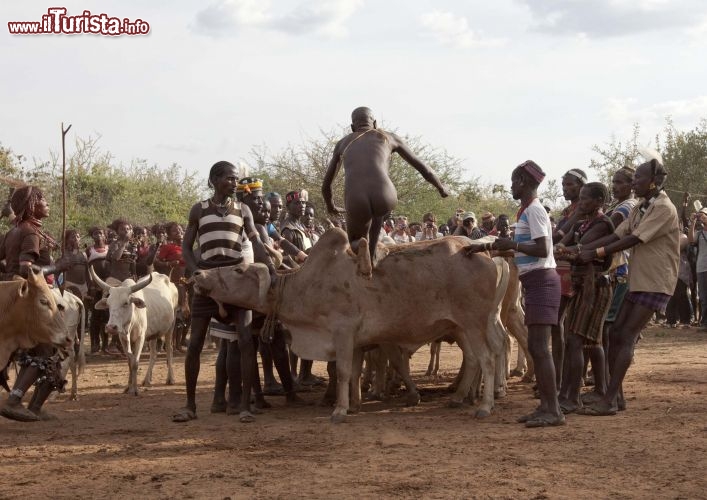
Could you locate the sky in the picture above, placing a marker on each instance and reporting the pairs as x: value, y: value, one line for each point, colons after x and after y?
x: 492, y: 83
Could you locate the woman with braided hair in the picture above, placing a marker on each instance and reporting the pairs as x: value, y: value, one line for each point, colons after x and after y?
x: 26, y: 244
x: 652, y: 232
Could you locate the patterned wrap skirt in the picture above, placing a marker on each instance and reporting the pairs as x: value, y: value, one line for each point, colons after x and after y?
x: 586, y: 315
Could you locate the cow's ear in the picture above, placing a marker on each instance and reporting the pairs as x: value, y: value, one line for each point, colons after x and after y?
x: 24, y: 289
x: 101, y: 304
x: 139, y: 303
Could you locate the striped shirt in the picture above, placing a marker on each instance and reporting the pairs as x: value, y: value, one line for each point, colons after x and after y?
x: 220, y: 233
x: 534, y: 223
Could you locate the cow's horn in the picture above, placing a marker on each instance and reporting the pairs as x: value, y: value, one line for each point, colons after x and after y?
x: 141, y: 284
x: 98, y: 281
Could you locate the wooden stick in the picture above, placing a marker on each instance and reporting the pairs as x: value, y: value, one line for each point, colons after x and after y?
x: 63, y: 186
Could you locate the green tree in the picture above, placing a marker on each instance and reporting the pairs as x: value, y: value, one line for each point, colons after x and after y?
x: 684, y: 155
x: 98, y: 190
x: 303, y: 167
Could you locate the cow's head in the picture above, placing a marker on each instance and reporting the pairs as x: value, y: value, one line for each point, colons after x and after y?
x: 121, y: 301
x: 244, y: 285
x: 42, y: 314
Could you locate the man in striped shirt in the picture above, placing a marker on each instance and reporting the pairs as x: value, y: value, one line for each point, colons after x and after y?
x: 221, y: 226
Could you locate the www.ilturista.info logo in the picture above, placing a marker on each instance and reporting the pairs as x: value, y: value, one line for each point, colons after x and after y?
x: 56, y: 22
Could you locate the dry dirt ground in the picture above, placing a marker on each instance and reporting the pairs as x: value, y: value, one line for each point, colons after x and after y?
x: 109, y: 445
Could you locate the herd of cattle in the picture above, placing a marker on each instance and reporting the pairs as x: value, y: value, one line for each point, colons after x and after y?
x: 336, y: 307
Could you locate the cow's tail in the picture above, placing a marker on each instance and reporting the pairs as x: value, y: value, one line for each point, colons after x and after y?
x: 80, y: 350
x: 494, y: 320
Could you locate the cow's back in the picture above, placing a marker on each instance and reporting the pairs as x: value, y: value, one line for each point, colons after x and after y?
x: 418, y: 286
x: 161, y: 298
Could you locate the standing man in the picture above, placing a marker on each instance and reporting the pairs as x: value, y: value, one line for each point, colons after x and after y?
x: 698, y: 236
x: 276, y: 206
x: 652, y: 231
x: 294, y: 231
x: 532, y: 243
x: 369, y: 194
x: 220, y: 225
x: 572, y: 183
x: 488, y: 224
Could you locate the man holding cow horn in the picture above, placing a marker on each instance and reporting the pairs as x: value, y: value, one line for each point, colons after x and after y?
x: 221, y: 226
x: 536, y: 268
x: 26, y: 245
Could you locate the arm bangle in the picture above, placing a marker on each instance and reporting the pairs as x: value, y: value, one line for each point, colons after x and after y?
x: 560, y: 232
x: 601, y: 252
x: 517, y: 246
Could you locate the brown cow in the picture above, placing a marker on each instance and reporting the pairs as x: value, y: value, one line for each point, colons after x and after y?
x: 29, y: 315
x: 333, y: 307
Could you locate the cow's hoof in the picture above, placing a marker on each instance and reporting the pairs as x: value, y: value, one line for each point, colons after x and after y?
x: 412, y: 399
x: 338, y: 418
x: 73, y: 397
x: 499, y: 394
x: 147, y: 384
x: 481, y: 413
x: 170, y: 381
x: 132, y: 392
x: 454, y: 404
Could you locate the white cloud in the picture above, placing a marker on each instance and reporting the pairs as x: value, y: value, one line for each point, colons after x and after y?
x: 450, y: 29
x: 227, y: 16
x: 604, y: 18
x: 623, y: 113
x: 327, y: 18
x: 310, y: 17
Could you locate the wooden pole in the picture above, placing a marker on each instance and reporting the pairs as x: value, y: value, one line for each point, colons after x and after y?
x: 63, y: 186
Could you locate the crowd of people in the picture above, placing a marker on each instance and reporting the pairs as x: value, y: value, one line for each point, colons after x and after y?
x: 591, y: 280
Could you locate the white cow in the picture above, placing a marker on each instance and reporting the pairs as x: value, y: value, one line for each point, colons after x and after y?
x: 75, y: 321
x: 139, y: 312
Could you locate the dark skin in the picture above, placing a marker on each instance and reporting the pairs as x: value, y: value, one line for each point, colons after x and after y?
x: 76, y: 274
x: 224, y: 187
x: 621, y: 190
x: 632, y: 318
x: 295, y: 210
x: 504, y: 227
x: 275, y: 208
x: 571, y: 187
x: 587, y: 207
x: 369, y: 194
x: 175, y: 235
x: 570, y: 190
x: 276, y: 351
x: 262, y: 217
x: 525, y: 189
